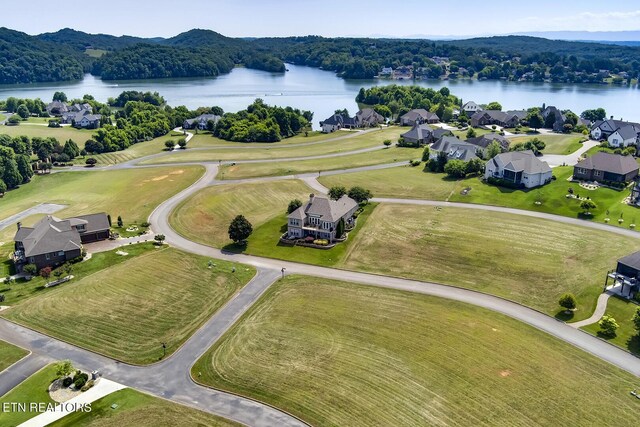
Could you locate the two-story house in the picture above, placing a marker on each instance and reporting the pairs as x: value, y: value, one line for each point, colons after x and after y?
x: 606, y: 167
x: 319, y: 217
x: 521, y: 168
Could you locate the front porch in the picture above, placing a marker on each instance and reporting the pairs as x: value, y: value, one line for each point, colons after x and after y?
x: 621, y: 285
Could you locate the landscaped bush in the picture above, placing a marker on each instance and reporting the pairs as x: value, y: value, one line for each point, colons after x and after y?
x: 80, y: 379
x: 321, y: 242
x: 88, y: 385
x: 503, y: 183
x: 145, y: 224
x: 66, y: 382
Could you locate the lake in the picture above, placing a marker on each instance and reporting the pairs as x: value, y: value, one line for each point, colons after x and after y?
x: 323, y: 92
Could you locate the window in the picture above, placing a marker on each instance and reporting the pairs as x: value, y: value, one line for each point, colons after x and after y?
x: 597, y: 173
x: 47, y: 256
x: 61, y: 253
x: 32, y: 259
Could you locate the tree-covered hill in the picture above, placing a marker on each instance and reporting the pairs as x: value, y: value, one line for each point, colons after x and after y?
x: 25, y: 59
x: 80, y: 40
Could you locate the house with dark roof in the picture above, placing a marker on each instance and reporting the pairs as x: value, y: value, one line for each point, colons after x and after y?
x: 332, y: 124
x: 319, y: 217
x: 53, y: 241
x: 603, y: 167
x: 494, y: 117
x: 624, y: 136
x: 627, y: 275
x: 81, y: 119
x: 471, y: 108
x: 558, y: 118
x: 454, y: 148
x: 418, y: 116
x: 602, y: 129
x: 483, y: 141
x: 201, y: 121
x: 520, y: 168
x: 367, y: 117
x: 419, y: 135
x: 57, y: 108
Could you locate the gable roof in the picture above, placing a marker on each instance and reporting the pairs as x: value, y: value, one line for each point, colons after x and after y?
x: 485, y: 140
x: 607, y: 162
x: 418, y: 132
x: 369, y: 114
x: 49, y: 235
x: 419, y: 113
x: 439, y: 133
x: 521, y: 161
x: 470, y: 104
x: 455, y: 148
x: 335, y: 119
x: 325, y: 208
x: 628, y: 131
x: 93, y: 222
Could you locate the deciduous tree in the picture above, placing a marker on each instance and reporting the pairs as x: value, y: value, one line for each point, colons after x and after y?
x: 240, y: 229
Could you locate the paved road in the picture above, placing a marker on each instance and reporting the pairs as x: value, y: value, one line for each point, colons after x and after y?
x: 21, y: 370
x: 42, y: 208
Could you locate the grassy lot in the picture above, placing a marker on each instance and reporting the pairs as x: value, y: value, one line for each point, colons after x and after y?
x: 462, y: 134
x: 626, y: 336
x: 253, y: 170
x: 531, y: 261
x: 205, y: 139
x: 22, y: 290
x: 206, y: 215
x: 205, y: 218
x: 556, y: 143
x: 10, y: 354
x: 94, y: 53
x: 416, y: 184
x: 2, y: 117
x: 127, y: 310
x: 79, y: 136
x: 31, y: 390
x: 135, y: 151
x: 373, y: 139
x: 335, y: 353
x: 136, y: 409
x: 116, y: 192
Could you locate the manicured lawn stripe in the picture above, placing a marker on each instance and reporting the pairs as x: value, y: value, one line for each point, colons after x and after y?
x: 136, y: 409
x: 336, y: 353
x: 10, y: 354
x: 31, y: 390
x: 127, y: 311
x: 626, y: 336
x: 555, y: 143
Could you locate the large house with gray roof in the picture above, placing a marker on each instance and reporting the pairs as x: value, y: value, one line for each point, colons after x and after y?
x: 418, y: 116
x: 625, y: 136
x: 419, y: 134
x: 200, y: 122
x: 603, y: 129
x: 53, y: 241
x: 319, y: 217
x: 606, y: 167
x: 495, y: 117
x: 520, y: 168
x: 453, y: 148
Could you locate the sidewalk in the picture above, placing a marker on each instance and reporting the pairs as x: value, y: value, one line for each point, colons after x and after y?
x: 102, y: 388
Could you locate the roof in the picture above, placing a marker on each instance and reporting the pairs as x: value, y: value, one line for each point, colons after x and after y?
x: 607, y: 162
x: 439, y: 133
x: 520, y: 114
x: 368, y: 114
x: 522, y: 161
x: 628, y: 131
x: 325, y: 208
x: 632, y: 260
x: 455, y: 148
x: 612, y: 125
x: 485, y: 140
x: 419, y: 113
x: 470, y: 104
x: 335, y: 119
x: 93, y: 222
x: 418, y: 132
x: 497, y: 115
x: 49, y: 235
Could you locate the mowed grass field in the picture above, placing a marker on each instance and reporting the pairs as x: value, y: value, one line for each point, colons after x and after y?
x: 136, y: 409
x: 254, y: 170
x: 205, y: 216
x: 128, y: 310
x: 31, y: 390
x: 79, y: 136
x: 131, y: 193
x: 627, y: 335
x: 135, y: 151
x: 528, y: 260
x: 340, y: 354
x: 555, y: 143
x: 415, y: 183
x: 10, y: 354
x: 206, y: 139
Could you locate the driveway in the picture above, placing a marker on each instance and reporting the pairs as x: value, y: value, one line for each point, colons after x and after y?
x: 555, y: 160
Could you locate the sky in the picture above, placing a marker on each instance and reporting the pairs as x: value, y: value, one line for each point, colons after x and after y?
x: 249, y: 18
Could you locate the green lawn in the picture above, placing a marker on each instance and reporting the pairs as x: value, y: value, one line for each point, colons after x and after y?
x: 556, y: 143
x: 462, y: 134
x: 131, y: 193
x: 626, y: 336
x: 336, y: 353
x: 22, y: 290
x: 79, y: 136
x: 10, y: 354
x: 127, y: 310
x: 415, y: 183
x: 136, y: 409
x: 373, y: 139
x: 205, y: 216
x: 94, y: 53
x: 2, y: 117
x: 31, y: 390
x: 135, y: 151
x: 253, y: 170
x: 205, y: 139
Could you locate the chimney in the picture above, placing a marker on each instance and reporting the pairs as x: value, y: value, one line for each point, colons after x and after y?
x: 311, y: 196
x: 611, y: 117
x: 19, y: 225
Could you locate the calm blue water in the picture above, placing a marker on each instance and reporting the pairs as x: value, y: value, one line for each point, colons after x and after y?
x: 322, y: 92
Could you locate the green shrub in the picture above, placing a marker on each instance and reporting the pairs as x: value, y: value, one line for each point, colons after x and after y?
x: 80, y: 379
x: 66, y: 382
x: 87, y: 386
